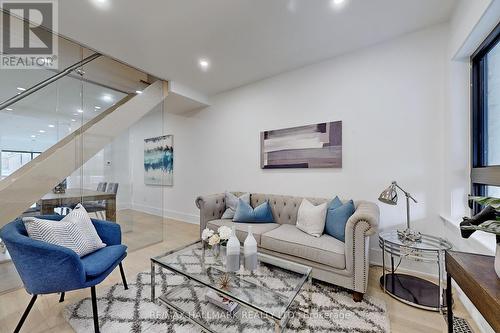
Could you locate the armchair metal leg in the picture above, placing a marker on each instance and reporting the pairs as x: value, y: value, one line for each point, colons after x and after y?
x: 123, y: 277
x: 61, y: 299
x: 25, y: 314
x: 94, y: 310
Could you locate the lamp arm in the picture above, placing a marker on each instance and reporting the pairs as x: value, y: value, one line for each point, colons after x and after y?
x: 408, y: 195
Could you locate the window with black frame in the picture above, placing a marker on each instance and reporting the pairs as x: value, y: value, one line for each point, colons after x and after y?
x: 485, y: 173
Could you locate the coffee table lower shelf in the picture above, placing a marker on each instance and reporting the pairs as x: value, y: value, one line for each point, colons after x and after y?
x: 188, y: 299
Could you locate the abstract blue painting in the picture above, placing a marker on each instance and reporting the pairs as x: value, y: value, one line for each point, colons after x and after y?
x: 159, y: 160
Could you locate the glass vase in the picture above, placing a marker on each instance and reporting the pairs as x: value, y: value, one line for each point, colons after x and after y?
x: 215, y: 251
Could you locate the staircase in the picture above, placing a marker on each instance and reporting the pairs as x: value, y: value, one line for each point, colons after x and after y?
x: 29, y: 183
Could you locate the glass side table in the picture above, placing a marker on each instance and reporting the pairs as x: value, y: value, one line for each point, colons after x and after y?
x: 410, y: 289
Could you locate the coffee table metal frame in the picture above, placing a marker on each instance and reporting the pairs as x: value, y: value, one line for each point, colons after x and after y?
x: 279, y: 322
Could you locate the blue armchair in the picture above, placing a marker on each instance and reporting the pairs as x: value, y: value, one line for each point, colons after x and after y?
x: 46, y: 268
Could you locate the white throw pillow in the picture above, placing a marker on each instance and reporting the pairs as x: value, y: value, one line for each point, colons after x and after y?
x: 75, y: 231
x: 232, y: 203
x: 80, y: 216
x: 311, y: 219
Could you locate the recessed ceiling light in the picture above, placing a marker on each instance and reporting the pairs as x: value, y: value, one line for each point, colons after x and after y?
x: 101, y: 4
x: 21, y: 88
x: 79, y: 111
x: 33, y: 136
x: 337, y: 3
x: 204, y: 64
x: 292, y: 6
x: 41, y: 131
x: 9, y: 109
x: 97, y: 107
x: 107, y: 98
x: 51, y: 126
x: 138, y: 92
x: 73, y: 120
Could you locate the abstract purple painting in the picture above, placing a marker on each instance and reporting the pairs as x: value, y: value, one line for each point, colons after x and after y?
x: 311, y: 146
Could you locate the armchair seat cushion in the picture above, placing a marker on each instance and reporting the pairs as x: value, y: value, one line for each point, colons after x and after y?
x: 288, y: 239
x: 242, y: 228
x: 100, y: 261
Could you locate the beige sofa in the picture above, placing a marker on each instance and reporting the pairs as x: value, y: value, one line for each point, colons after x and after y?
x: 333, y: 261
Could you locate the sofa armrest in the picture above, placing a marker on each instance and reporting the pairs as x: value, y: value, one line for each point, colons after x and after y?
x: 365, y: 211
x: 211, y: 208
x: 363, y: 223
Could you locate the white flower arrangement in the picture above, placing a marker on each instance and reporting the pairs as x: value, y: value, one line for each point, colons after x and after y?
x: 214, y: 240
x: 224, y: 233
x: 206, y: 234
x: 220, y: 237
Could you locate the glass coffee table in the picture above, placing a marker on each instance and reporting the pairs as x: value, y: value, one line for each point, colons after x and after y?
x: 265, y: 296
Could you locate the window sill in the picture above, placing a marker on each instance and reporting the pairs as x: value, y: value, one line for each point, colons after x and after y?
x: 479, y: 241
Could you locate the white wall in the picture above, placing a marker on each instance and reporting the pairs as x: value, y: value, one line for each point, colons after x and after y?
x: 110, y: 165
x: 405, y: 111
x: 390, y: 98
x: 469, y: 26
x: 173, y: 201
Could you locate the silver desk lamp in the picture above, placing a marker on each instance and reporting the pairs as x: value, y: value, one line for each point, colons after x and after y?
x: 390, y: 197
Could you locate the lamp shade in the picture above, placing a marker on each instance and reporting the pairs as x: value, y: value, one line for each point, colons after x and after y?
x: 389, y: 195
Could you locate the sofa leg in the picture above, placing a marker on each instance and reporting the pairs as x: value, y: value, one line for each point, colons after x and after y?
x: 357, y: 296
x: 61, y: 299
x: 94, y: 309
x: 25, y: 314
x: 123, y: 277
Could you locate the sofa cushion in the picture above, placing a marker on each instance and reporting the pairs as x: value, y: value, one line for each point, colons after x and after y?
x: 336, y: 219
x: 289, y: 239
x: 80, y: 216
x: 311, y: 218
x: 232, y: 203
x: 259, y: 214
x: 71, y: 234
x: 241, y: 228
x: 100, y: 261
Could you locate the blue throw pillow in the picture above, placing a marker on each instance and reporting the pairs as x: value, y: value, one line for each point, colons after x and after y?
x: 336, y: 218
x: 260, y: 214
x: 335, y: 203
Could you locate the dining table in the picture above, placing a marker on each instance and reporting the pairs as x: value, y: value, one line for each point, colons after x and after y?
x: 74, y: 196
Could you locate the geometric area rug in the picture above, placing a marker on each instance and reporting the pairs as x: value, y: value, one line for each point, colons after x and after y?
x: 321, y: 308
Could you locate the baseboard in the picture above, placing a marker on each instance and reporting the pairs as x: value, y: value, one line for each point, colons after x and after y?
x: 172, y: 214
x: 122, y: 206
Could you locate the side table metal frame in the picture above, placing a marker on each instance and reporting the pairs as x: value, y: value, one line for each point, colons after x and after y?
x: 421, y: 255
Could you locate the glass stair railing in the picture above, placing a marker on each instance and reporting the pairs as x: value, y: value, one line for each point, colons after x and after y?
x: 72, y: 125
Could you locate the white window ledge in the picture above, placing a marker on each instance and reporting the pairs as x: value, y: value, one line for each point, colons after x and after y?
x: 481, y: 242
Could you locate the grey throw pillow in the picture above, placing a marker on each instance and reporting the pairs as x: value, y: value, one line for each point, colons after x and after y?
x: 232, y: 203
x: 72, y: 232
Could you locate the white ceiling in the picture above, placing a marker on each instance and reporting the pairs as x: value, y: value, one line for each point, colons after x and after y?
x: 245, y: 40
